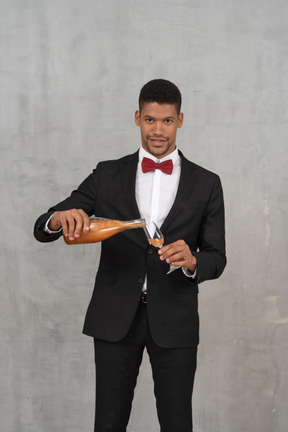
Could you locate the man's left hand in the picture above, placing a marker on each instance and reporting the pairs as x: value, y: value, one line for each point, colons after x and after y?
x: 178, y: 254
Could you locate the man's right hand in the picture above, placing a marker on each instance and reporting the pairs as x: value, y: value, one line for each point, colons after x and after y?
x: 72, y: 222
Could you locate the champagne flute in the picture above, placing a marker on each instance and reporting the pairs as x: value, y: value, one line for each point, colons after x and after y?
x: 156, y: 239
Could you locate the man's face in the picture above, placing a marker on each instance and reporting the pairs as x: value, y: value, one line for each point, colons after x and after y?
x: 158, y: 126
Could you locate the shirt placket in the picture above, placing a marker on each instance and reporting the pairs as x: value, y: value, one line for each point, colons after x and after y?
x: 154, y: 210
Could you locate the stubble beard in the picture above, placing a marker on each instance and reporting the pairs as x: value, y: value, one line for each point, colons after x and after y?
x: 158, y: 153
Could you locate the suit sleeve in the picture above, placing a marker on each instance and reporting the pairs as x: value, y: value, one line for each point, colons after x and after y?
x: 84, y: 197
x: 210, y: 255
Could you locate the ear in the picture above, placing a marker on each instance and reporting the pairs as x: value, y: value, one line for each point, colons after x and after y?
x: 137, y: 118
x: 180, y: 120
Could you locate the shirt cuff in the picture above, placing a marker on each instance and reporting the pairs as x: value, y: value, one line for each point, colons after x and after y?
x: 188, y: 273
x: 47, y: 230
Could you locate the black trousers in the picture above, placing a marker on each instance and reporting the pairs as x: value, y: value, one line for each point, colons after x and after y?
x: 117, y: 367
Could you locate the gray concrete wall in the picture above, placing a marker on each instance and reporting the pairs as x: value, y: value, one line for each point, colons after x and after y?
x: 70, y: 74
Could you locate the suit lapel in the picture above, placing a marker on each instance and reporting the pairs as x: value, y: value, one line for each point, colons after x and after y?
x: 128, y: 169
x: 186, y: 183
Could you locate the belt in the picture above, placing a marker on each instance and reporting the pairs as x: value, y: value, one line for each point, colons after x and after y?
x: 144, y: 297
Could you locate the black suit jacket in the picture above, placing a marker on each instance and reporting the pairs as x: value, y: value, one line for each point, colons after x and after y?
x: 197, y: 216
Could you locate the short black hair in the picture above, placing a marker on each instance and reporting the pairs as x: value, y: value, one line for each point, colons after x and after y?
x: 162, y: 92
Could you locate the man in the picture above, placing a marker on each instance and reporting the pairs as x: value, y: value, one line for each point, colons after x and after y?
x: 135, y: 303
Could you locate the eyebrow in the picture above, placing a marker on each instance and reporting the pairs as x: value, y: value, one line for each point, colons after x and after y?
x: 165, y: 118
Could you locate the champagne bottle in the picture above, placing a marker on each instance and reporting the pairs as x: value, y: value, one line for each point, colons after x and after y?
x: 101, y: 229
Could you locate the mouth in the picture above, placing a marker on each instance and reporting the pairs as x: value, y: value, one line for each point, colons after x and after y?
x: 157, y: 141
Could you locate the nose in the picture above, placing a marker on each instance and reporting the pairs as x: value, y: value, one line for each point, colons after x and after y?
x: 158, y: 128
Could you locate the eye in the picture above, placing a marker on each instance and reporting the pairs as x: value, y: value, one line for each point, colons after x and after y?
x: 149, y: 120
x: 168, y: 121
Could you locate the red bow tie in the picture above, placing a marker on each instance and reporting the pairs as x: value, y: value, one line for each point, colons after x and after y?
x: 149, y: 165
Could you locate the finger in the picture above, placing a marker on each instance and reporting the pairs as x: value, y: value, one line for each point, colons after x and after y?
x: 165, y: 249
x: 170, y: 251
x: 64, y: 227
x: 184, y: 259
x: 63, y: 216
x: 179, y: 244
x: 86, y: 220
x: 177, y: 253
x: 71, y: 223
x: 78, y: 222
x: 177, y: 259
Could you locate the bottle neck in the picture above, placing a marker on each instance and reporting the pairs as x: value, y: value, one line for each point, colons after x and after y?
x: 136, y: 223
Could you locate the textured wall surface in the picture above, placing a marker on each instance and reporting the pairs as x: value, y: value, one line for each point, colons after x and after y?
x: 70, y: 74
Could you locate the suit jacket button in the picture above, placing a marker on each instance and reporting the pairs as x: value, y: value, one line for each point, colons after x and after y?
x: 140, y: 280
x: 150, y: 251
